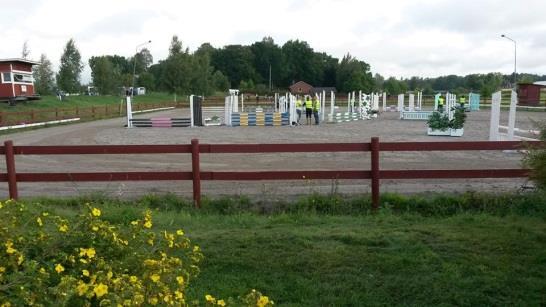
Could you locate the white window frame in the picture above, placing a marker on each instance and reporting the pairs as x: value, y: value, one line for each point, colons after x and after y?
x: 2, y: 76
x: 31, y: 82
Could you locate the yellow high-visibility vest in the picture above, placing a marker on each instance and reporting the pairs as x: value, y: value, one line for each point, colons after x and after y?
x: 441, y: 101
x: 316, y: 105
x: 462, y: 100
x: 298, y: 103
x: 308, y: 104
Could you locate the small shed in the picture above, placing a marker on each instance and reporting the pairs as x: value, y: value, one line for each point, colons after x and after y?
x: 16, y: 80
x: 300, y: 88
x: 529, y: 94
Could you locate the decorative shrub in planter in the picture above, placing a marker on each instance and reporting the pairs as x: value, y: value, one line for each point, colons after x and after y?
x: 438, y: 124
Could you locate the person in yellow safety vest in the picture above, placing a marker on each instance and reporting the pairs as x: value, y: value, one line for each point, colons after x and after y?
x: 462, y: 101
x: 316, y: 109
x: 441, y: 104
x: 299, y: 104
x: 308, y: 109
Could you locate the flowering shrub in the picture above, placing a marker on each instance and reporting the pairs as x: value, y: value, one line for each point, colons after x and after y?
x: 86, y: 261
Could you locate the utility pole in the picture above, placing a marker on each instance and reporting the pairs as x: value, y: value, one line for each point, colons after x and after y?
x: 515, y: 61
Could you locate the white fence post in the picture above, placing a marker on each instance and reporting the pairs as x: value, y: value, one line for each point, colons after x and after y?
x: 129, y: 112
x: 512, y: 115
x: 495, y: 117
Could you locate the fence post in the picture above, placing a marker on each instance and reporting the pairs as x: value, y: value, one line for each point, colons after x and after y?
x: 93, y: 112
x: 10, y: 168
x: 196, y: 173
x: 375, y: 172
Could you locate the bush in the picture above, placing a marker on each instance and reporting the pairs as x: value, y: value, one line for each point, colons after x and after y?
x: 536, y: 160
x: 86, y: 261
x: 438, y: 121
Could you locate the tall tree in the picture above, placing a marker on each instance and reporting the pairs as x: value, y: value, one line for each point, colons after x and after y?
x: 354, y: 75
x: 298, y: 62
x: 175, y: 47
x: 236, y: 62
x: 267, y: 59
x: 44, y: 76
x: 26, y: 51
x: 68, y: 78
x: 103, y: 74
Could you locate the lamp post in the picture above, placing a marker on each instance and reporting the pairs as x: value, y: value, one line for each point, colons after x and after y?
x: 134, y: 65
x: 515, y: 59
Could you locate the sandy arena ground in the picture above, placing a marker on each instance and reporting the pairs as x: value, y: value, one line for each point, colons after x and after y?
x: 388, y: 128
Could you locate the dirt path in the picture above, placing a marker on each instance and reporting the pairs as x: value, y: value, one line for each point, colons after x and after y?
x: 388, y: 127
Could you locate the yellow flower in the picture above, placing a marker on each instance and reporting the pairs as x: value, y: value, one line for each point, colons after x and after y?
x: 155, y: 277
x: 109, y: 274
x: 3, y: 269
x: 6, y: 304
x: 178, y: 295
x: 39, y: 221
x: 63, y: 228
x: 210, y: 298
x: 168, y: 298
x: 134, y: 223
x: 148, y: 224
x: 95, y: 212
x: 95, y: 228
x: 59, y: 268
x: 100, y: 289
x: 151, y: 241
x: 153, y: 300
x: 85, y: 273
x: 82, y: 288
x: 45, y: 213
x: 262, y: 301
x: 195, y: 248
x: 180, y: 232
x: 83, y: 260
x: 133, y: 279
x: 180, y: 280
x: 221, y: 303
x: 89, y: 252
x: 9, y: 247
x: 20, y: 259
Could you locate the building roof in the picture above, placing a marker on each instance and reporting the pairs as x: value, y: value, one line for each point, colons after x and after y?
x: 20, y: 61
x: 543, y: 83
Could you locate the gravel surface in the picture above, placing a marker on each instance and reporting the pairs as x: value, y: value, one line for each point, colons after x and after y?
x: 387, y: 127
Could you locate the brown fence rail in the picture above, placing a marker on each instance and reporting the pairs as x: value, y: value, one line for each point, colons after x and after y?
x: 195, y: 149
x: 84, y: 113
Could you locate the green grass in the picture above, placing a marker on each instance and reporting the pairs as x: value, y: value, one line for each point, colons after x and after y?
x: 470, y: 249
x: 51, y: 102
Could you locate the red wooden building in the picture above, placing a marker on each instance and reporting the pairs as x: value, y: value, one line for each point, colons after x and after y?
x: 16, y: 81
x: 300, y: 88
x: 530, y: 94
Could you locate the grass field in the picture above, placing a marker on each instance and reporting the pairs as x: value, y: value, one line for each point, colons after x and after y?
x: 299, y: 255
x: 51, y: 102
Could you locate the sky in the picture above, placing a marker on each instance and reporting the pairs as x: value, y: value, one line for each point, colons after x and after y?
x: 400, y: 38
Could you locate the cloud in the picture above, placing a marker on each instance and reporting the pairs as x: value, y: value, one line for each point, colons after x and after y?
x: 396, y: 37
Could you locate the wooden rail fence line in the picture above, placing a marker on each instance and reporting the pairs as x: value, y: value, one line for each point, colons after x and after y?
x: 375, y: 174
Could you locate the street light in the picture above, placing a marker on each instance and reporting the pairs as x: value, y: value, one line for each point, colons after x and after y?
x: 134, y: 65
x: 515, y: 72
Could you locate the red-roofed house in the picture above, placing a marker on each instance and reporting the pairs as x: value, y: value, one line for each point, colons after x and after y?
x: 16, y: 81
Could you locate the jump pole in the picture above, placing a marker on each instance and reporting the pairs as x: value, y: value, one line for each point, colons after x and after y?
x: 129, y: 112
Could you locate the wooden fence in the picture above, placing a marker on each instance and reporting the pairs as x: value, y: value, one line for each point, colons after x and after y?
x: 375, y: 174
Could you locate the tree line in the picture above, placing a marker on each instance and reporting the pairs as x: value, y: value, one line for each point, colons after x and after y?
x: 261, y: 67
